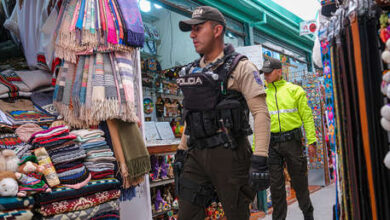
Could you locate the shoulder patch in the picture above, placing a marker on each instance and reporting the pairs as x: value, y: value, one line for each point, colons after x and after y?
x: 258, y: 79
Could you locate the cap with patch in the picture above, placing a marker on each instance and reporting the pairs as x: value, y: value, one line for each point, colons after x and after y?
x: 271, y: 64
x: 201, y: 15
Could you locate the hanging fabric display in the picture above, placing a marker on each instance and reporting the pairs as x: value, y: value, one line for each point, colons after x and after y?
x: 89, y: 26
x: 351, y: 44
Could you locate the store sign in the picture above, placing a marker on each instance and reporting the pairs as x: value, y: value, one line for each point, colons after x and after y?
x: 308, y: 27
x: 254, y: 54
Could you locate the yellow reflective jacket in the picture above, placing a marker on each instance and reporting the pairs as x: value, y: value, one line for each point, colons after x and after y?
x: 288, y: 108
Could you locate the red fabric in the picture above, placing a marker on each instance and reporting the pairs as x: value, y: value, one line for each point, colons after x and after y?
x: 70, y: 136
x: 70, y: 168
x: 38, y: 139
x: 101, y: 174
x: 81, y: 203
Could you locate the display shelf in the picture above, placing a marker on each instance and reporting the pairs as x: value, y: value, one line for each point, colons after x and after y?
x: 161, y: 182
x: 162, y: 146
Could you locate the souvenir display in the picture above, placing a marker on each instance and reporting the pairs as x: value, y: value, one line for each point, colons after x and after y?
x: 148, y: 106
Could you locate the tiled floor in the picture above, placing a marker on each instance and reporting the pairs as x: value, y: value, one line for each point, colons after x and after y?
x: 323, y: 201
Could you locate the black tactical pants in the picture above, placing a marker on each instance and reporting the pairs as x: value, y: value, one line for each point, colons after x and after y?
x: 225, y: 169
x: 293, y: 154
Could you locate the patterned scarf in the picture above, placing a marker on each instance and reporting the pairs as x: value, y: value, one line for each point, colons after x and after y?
x: 134, y: 30
x: 81, y: 203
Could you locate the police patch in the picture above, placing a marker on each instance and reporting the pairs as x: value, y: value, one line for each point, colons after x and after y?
x: 257, y: 78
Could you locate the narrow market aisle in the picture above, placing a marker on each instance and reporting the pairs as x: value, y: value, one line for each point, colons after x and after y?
x: 323, y: 201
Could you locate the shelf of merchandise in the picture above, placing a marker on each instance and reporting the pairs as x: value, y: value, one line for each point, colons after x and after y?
x: 161, y: 182
x: 162, y: 146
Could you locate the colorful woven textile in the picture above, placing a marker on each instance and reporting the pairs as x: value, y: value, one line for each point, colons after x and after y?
x: 11, y: 203
x: 65, y: 193
x: 102, y: 174
x: 84, y: 134
x: 106, y: 92
x: 24, y: 214
x: 88, y: 213
x: 10, y: 141
x: 23, y: 117
x: 79, y: 203
x: 88, y: 26
x: 29, y: 183
x: 134, y: 31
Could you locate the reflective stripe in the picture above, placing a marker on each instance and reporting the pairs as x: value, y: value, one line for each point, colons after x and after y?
x: 284, y: 111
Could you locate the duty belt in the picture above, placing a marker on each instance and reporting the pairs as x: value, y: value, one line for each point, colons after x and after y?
x: 286, y: 136
x: 211, y: 142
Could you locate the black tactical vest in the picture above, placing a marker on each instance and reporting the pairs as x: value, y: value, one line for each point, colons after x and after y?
x: 214, y: 114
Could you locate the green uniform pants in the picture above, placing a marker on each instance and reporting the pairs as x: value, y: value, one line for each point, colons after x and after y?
x: 291, y: 152
x: 225, y: 169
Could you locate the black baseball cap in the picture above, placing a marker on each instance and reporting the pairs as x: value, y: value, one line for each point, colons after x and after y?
x: 200, y: 15
x: 270, y: 64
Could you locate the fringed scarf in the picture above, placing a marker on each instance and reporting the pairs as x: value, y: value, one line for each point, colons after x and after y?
x: 130, y: 151
x: 86, y: 26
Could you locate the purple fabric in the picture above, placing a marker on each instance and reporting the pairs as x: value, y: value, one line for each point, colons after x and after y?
x: 133, y: 26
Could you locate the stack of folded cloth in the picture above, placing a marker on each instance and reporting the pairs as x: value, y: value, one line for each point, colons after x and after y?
x: 67, y: 155
x: 16, y: 207
x: 100, y: 158
x: 99, y: 198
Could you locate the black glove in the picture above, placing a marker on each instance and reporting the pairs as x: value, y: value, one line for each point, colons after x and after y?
x: 258, y: 173
x: 178, y: 165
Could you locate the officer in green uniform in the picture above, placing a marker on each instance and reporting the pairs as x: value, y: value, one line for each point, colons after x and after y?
x: 287, y: 105
x: 214, y: 158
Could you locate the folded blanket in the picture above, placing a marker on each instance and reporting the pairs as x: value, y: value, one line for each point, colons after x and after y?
x: 51, y: 134
x: 23, y: 81
x: 57, y: 151
x: 63, y: 170
x: 88, y: 213
x: 93, y: 144
x: 102, y: 174
x: 65, y: 151
x: 10, y: 141
x: 87, y: 133
x: 99, y: 170
x: 11, y: 203
x: 67, y: 158
x: 70, y: 164
x: 91, y: 165
x: 64, y: 193
x: 79, y: 203
x: 66, y: 144
x: 90, y: 152
x: 45, y: 132
x: 23, y: 117
x: 101, y: 154
x: 71, y: 172
x: 100, y: 159
x: 24, y: 214
x: 104, y: 147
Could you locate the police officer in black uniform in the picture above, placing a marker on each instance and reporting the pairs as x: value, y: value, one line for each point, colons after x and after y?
x: 214, y: 158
